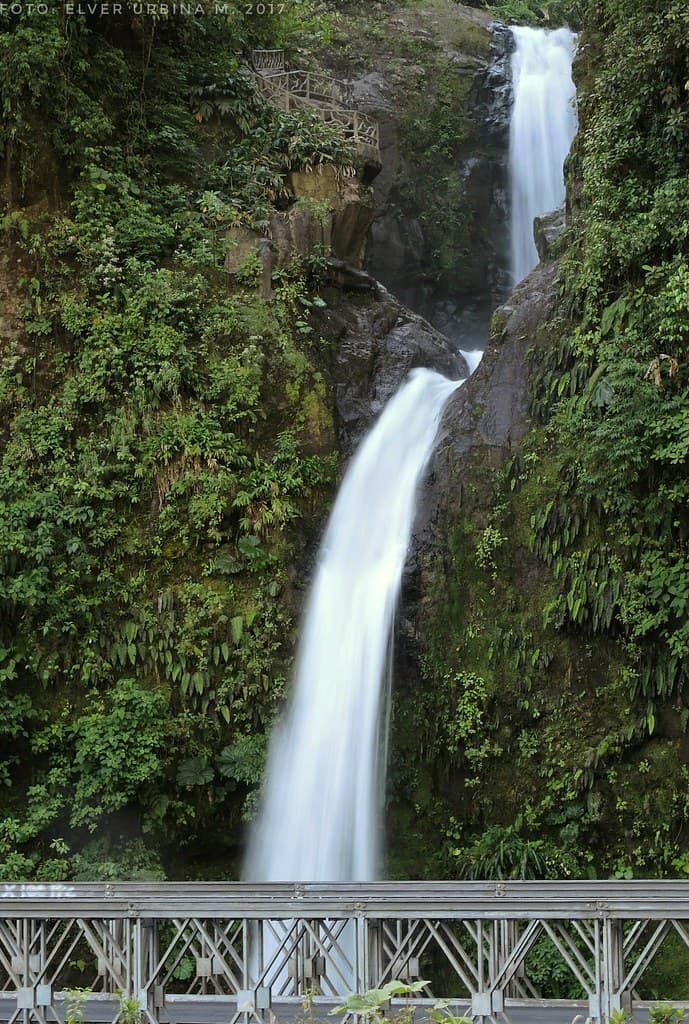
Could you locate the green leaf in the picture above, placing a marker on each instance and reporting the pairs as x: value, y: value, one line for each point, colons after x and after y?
x: 371, y: 1001
x: 195, y: 772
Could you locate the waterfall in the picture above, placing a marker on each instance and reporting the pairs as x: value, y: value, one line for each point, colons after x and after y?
x: 542, y: 127
x: 320, y: 815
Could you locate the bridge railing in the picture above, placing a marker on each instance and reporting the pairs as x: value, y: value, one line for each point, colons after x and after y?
x: 260, y: 950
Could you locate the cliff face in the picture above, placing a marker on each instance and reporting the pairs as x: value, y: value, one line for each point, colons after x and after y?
x: 467, y: 613
x: 541, y: 708
x: 377, y: 342
x: 170, y: 414
x: 169, y: 445
x: 167, y: 450
x: 436, y: 78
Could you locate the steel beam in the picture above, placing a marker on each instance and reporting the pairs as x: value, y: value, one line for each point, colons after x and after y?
x: 256, y: 948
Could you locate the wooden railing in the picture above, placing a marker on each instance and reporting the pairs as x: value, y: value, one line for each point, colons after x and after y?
x: 264, y: 61
x: 330, y: 98
x: 311, y: 86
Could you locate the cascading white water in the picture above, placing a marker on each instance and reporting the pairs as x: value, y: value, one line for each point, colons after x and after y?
x: 319, y: 819
x: 319, y: 816
x: 542, y: 127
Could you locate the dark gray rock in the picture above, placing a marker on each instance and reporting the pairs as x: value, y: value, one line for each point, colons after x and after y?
x: 399, y: 253
x: 492, y: 408
x: 547, y: 231
x: 378, y: 341
x: 496, y: 94
x: 484, y: 423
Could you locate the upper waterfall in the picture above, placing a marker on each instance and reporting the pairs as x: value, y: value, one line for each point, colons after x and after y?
x: 542, y: 127
x: 320, y: 815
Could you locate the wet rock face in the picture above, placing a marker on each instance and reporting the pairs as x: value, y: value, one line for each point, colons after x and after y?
x: 378, y: 342
x: 483, y: 425
x: 456, y: 290
x: 489, y: 416
x: 491, y: 410
x: 547, y: 233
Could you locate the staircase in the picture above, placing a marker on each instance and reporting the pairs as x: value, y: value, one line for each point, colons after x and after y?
x: 329, y: 98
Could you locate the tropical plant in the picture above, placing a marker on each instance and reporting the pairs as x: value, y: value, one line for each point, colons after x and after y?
x: 372, y: 1003
x: 75, y: 1005
x: 129, y: 1011
x: 664, y: 1013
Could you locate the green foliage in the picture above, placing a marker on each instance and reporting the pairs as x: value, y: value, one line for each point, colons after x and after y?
x: 129, y: 1011
x: 248, y: 273
x: 488, y: 546
x: 114, y: 750
x: 550, y: 975
x: 109, y: 860
x: 166, y: 445
x: 75, y: 1005
x: 371, y: 1004
x: 441, y: 1014
x: 435, y: 134
x: 663, y: 1013
x: 614, y: 391
x: 576, y: 625
x: 501, y: 852
x: 550, y: 13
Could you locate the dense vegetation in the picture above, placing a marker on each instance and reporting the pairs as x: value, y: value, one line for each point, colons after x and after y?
x: 549, y: 13
x: 167, y: 452
x: 554, y: 721
x: 166, y: 442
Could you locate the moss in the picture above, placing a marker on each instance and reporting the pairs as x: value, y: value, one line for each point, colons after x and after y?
x: 431, y: 51
x: 411, y: 47
x: 498, y: 324
x: 437, y: 133
x: 316, y: 416
x: 470, y: 37
x: 452, y: 26
x: 556, y: 743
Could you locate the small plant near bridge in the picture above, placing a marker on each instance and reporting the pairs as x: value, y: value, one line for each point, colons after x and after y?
x: 75, y: 1004
x: 664, y: 1013
x: 373, y: 1004
x: 129, y: 1011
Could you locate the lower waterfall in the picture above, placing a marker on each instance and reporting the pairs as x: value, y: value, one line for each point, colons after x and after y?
x: 542, y: 126
x: 320, y: 816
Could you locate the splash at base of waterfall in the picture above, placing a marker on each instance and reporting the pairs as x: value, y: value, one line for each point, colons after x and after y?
x: 320, y: 817
x: 542, y: 127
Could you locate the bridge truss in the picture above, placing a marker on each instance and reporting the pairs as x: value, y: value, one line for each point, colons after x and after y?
x: 258, y: 951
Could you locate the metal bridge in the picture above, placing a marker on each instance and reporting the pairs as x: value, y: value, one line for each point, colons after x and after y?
x: 234, y: 952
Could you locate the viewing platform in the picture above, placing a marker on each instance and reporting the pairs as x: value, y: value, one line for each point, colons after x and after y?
x: 329, y: 98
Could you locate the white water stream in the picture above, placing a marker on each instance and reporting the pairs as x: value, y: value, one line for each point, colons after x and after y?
x: 320, y: 815
x: 542, y: 127
x: 320, y: 819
